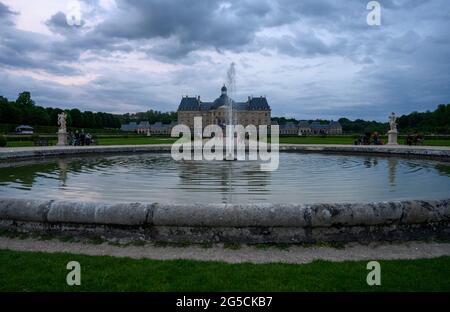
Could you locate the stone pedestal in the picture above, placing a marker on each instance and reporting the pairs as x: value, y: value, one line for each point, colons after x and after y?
x: 62, y: 139
x: 392, y: 137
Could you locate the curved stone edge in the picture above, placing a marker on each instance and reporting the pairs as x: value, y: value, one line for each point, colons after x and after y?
x: 223, y: 215
x: 442, y: 153
x: 51, y: 211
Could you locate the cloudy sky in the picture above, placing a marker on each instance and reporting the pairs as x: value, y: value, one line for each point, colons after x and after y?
x: 312, y: 59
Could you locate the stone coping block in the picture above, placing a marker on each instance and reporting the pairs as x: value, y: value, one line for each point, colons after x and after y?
x: 24, y: 210
x: 224, y: 215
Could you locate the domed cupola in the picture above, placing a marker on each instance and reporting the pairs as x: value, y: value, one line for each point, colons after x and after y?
x: 224, y: 90
x: 223, y: 99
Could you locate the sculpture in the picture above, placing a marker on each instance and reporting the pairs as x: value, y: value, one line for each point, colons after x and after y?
x: 393, y: 122
x: 392, y: 133
x: 62, y: 132
x: 62, y: 122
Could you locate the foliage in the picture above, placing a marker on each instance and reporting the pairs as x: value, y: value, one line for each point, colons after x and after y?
x: 437, y: 121
x: 3, y: 141
x: 25, y: 111
x: 151, y: 116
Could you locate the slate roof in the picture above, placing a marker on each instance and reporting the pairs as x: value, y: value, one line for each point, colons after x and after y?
x: 144, y: 124
x: 289, y: 125
x: 189, y: 104
x: 258, y: 103
x: 194, y: 103
x: 303, y: 124
x: 132, y: 126
x: 335, y: 124
x: 317, y: 125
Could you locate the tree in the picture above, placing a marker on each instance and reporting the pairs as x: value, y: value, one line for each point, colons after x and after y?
x: 77, y: 118
x: 24, y: 99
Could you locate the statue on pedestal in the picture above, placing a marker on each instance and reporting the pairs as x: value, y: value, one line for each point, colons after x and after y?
x: 392, y: 133
x: 62, y: 122
x: 393, y: 122
x: 62, y: 132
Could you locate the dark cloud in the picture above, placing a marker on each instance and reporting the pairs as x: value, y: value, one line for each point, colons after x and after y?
x: 58, y: 24
x: 192, y: 25
x: 402, y: 64
x: 6, y: 15
x: 5, y: 11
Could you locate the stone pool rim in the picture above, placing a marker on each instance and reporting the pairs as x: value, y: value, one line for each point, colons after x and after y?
x: 260, y: 223
x: 430, y: 152
x: 255, y: 223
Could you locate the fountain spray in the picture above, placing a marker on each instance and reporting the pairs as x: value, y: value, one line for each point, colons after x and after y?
x: 231, y: 82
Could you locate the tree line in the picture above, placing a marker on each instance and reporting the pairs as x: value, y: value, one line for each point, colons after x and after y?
x: 25, y: 111
x: 151, y: 116
x: 348, y: 126
x: 435, y: 122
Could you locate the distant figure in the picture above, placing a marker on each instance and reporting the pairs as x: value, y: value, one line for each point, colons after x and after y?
x: 88, y: 139
x: 416, y: 139
x: 376, y: 139
x: 71, y: 139
x: 77, y: 138
x: 82, y: 138
x: 409, y: 140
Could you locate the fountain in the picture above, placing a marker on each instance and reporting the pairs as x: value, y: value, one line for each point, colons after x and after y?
x: 231, y: 82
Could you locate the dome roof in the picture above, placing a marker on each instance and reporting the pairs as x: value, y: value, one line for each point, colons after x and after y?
x: 222, y: 100
x: 224, y: 88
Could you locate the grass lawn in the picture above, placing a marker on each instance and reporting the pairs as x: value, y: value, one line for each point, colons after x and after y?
x: 33, y: 271
x: 283, y: 140
x: 349, y: 140
x: 136, y: 141
x: 110, y: 141
x: 23, y: 143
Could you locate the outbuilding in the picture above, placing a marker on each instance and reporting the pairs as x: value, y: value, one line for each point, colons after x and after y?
x: 24, y: 129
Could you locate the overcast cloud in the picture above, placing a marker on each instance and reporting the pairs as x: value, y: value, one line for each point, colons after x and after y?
x: 312, y: 59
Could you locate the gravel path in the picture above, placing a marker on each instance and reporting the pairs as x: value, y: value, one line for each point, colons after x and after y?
x: 293, y: 254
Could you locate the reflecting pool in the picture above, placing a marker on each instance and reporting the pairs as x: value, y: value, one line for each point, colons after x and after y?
x: 300, y: 178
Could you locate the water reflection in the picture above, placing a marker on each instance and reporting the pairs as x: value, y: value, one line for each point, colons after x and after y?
x: 392, y: 163
x: 302, y: 178
x: 370, y: 162
x: 62, y: 167
x: 230, y: 179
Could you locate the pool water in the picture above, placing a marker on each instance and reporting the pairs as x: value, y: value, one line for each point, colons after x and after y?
x: 300, y: 178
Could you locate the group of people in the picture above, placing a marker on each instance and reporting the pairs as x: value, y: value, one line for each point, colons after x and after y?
x: 369, y: 139
x: 374, y: 139
x: 80, y: 138
x: 416, y: 139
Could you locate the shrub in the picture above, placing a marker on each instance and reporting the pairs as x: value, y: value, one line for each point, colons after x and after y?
x: 2, y: 141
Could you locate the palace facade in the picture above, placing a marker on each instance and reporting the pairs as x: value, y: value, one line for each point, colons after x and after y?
x: 255, y: 111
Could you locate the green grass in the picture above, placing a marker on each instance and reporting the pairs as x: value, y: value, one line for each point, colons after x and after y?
x: 136, y: 141
x: 36, y: 271
x: 317, y: 140
x: 283, y: 140
x: 349, y: 140
x: 23, y: 143
x: 109, y: 141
